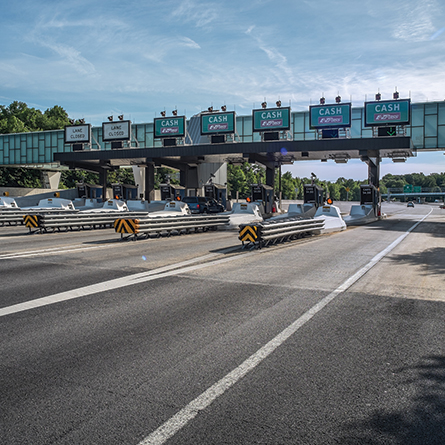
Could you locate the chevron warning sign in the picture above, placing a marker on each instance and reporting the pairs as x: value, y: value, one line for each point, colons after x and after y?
x: 248, y: 233
x: 31, y: 221
x: 126, y: 225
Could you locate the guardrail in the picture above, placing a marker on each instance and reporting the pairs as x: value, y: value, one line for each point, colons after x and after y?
x: 47, y: 222
x: 138, y: 228
x: 257, y: 235
x: 15, y: 217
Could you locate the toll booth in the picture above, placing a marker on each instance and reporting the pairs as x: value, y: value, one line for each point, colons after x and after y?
x: 217, y: 192
x: 125, y: 191
x: 171, y: 192
x: 89, y: 191
x: 369, y: 195
x: 313, y: 194
x: 265, y: 194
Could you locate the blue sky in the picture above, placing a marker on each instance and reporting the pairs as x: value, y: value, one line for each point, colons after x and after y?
x: 96, y: 58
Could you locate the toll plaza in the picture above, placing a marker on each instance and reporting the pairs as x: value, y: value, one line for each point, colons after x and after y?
x: 212, y: 139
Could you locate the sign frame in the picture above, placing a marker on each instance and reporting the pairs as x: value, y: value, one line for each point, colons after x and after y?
x: 126, y: 136
x: 169, y: 135
x: 222, y: 131
x: 318, y: 126
x: 86, y: 133
x: 389, y: 122
x: 271, y: 128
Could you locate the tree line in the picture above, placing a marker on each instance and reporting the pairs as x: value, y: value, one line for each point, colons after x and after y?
x: 19, y: 118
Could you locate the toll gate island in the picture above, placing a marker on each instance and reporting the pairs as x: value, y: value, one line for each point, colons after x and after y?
x: 201, y: 147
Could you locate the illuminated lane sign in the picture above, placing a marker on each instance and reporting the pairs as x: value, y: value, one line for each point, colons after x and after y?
x: 218, y: 123
x: 388, y: 112
x: 78, y: 134
x: 116, y: 131
x: 330, y: 116
x: 167, y: 127
x: 271, y: 119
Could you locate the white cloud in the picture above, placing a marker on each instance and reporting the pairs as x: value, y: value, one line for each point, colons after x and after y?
x: 189, y: 43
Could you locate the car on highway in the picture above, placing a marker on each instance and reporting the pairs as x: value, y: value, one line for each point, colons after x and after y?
x: 200, y: 204
x: 410, y: 204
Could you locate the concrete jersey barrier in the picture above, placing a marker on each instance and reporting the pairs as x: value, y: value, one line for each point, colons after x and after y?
x: 8, y: 203
x: 243, y: 213
x: 333, y: 221
x: 53, y: 203
x: 360, y: 214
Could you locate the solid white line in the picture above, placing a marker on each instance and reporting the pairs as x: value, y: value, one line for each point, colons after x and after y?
x: 11, y: 256
x: 189, y: 412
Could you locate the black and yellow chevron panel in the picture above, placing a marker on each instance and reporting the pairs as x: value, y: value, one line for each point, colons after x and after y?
x: 126, y: 225
x: 31, y: 221
x: 248, y: 233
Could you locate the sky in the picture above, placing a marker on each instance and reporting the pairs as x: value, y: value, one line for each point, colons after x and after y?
x: 138, y: 58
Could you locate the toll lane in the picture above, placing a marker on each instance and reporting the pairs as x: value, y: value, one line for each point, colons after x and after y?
x: 113, y: 366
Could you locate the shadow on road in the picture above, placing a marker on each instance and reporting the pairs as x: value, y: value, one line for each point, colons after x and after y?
x: 423, y: 424
x: 436, y: 229
x: 431, y: 260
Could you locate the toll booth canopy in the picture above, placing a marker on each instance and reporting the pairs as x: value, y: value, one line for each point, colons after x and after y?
x: 265, y: 194
x: 170, y: 192
x: 313, y: 194
x: 217, y: 192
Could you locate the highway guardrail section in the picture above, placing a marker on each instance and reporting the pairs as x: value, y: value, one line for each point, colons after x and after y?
x: 260, y: 234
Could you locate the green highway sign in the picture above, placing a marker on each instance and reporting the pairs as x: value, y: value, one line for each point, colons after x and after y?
x: 388, y: 112
x: 330, y: 116
x: 218, y: 123
x: 408, y: 188
x: 417, y: 189
x: 169, y: 127
x: 271, y: 119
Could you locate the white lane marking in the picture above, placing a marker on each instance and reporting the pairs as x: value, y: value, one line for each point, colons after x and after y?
x: 9, y: 256
x: 141, y: 277
x: 189, y: 412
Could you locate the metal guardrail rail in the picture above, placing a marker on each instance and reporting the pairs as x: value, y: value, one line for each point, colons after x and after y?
x: 15, y: 217
x: 257, y: 235
x: 138, y: 228
x: 47, y: 222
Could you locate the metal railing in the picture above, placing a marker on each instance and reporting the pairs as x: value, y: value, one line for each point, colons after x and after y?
x: 15, y: 217
x: 262, y: 234
x: 138, y: 228
x: 47, y: 222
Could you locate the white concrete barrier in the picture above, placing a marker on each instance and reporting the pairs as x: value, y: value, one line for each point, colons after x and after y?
x: 360, y: 214
x: 243, y: 213
x: 8, y: 203
x: 138, y: 206
x: 297, y: 210
x: 171, y: 208
x: 112, y: 205
x: 333, y: 221
x: 86, y: 203
x: 53, y: 203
